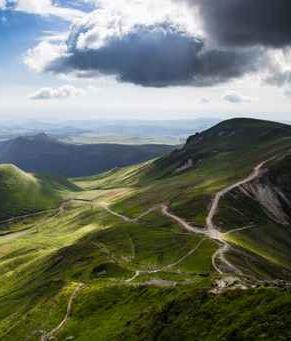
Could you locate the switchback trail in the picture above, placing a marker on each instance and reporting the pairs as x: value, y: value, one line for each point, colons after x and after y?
x: 211, y: 231
x: 186, y: 226
x: 166, y: 267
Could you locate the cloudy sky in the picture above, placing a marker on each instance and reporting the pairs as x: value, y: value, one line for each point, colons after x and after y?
x: 152, y: 59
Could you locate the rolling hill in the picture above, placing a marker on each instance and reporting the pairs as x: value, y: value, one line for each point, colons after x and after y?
x: 43, y: 154
x: 191, y: 246
x: 23, y: 193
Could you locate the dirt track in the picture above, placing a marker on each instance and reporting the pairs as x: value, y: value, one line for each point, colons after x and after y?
x: 50, y: 335
x: 211, y: 230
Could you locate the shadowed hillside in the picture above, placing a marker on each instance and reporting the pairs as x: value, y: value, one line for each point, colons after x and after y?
x: 44, y: 154
x: 192, y: 246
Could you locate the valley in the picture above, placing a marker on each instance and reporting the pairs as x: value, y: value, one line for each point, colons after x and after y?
x: 145, y: 252
x: 44, y: 154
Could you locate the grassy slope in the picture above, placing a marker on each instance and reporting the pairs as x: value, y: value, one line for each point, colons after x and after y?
x: 40, y: 271
x: 86, y: 244
x: 265, y: 235
x: 189, y: 193
x: 23, y: 193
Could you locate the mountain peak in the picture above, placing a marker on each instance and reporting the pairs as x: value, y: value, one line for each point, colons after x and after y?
x: 234, y: 132
x: 40, y: 137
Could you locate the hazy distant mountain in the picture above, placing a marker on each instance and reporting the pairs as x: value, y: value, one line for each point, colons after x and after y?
x: 110, y: 131
x: 42, y: 153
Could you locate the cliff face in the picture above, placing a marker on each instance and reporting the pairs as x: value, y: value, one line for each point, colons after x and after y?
x: 273, y: 190
x: 272, y: 196
x: 260, y: 214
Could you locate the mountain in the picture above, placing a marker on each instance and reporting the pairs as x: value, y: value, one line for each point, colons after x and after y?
x: 194, y: 245
x: 22, y: 193
x: 43, y: 154
x: 223, y: 141
x: 109, y: 131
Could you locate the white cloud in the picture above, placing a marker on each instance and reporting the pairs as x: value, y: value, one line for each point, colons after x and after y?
x: 111, y: 19
x: 115, y: 23
x: 236, y: 98
x: 47, y: 7
x: 146, y: 42
x: 279, y: 71
x: 43, y: 54
x: 116, y: 18
x: 2, y: 4
x: 65, y: 91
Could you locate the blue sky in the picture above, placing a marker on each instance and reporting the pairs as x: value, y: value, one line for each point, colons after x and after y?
x: 19, y: 32
x: 136, y: 59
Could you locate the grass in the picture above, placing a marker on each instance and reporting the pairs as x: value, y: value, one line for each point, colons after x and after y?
x: 23, y: 193
x: 87, y: 245
x: 170, y: 299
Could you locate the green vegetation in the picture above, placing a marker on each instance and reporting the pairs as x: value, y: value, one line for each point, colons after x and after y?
x: 140, y: 274
x: 44, y: 154
x: 179, y: 313
x: 23, y: 193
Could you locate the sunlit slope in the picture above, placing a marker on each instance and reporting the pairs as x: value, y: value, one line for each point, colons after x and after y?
x: 23, y: 193
x: 189, y: 177
x: 86, y: 245
x: 218, y: 158
x: 262, y: 210
x: 127, y: 270
x: 230, y: 147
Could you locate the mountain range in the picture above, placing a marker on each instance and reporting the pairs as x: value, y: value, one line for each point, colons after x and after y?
x: 193, y: 245
x: 108, y: 131
x: 44, y: 154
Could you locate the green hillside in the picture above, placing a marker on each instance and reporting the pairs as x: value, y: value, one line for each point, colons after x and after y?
x: 192, y: 246
x: 23, y: 193
x: 44, y: 154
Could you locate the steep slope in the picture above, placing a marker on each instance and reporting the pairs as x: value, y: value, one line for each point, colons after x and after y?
x: 217, y: 164
x: 42, y: 153
x: 151, y: 252
x: 22, y: 193
x: 251, y: 139
x: 262, y: 210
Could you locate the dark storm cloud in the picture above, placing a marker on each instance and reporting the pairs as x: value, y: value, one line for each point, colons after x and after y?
x: 247, y: 22
x: 158, y: 55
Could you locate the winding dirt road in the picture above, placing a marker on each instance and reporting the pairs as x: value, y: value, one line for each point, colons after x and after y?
x: 186, y: 226
x: 211, y: 231
x: 50, y: 335
x: 166, y: 267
